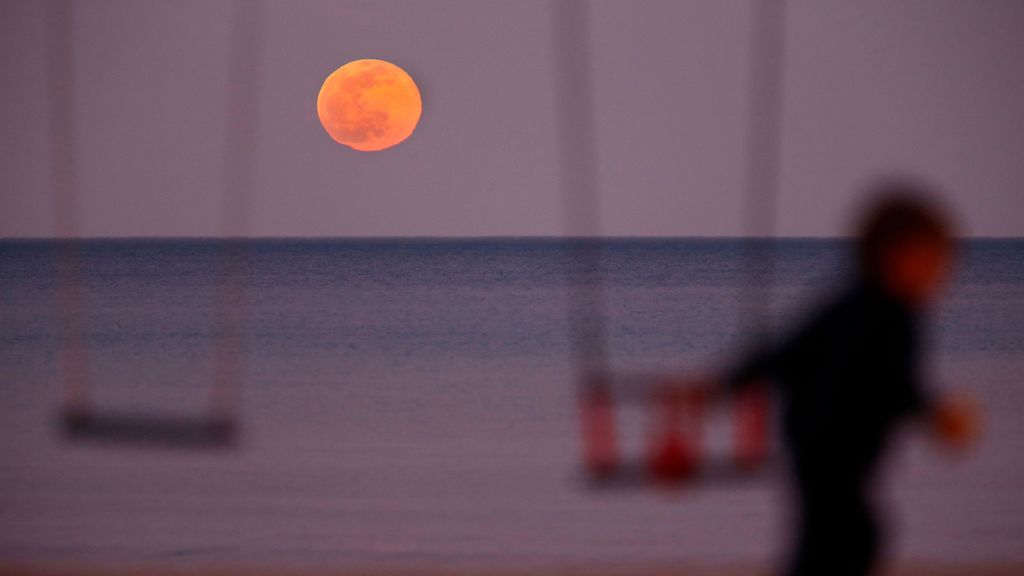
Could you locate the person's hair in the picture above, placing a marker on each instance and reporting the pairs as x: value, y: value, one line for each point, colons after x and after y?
x: 901, y: 209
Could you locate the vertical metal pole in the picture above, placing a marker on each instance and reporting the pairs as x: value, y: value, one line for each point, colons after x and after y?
x: 581, y: 209
x: 763, y: 158
x: 245, y: 52
x: 764, y: 143
x: 72, y: 357
x: 578, y: 176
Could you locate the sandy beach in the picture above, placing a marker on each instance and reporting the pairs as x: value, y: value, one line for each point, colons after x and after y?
x: 903, y: 570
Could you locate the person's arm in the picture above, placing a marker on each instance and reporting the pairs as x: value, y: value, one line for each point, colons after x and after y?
x: 771, y: 361
x: 758, y: 365
x: 776, y: 360
x: 953, y: 419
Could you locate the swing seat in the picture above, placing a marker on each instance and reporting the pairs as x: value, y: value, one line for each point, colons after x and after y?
x: 156, y: 430
x: 675, y: 455
x: 674, y: 461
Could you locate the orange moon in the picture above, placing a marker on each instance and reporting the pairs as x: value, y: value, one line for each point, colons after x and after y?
x: 369, y: 105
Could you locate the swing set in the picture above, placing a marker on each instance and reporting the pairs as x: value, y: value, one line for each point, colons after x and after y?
x: 677, y: 408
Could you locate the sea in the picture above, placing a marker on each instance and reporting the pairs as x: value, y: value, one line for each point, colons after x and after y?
x: 412, y: 401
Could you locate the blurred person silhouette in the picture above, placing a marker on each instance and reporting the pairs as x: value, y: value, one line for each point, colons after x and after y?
x: 849, y: 376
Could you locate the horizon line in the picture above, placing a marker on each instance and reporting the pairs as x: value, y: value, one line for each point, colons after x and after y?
x: 477, y: 237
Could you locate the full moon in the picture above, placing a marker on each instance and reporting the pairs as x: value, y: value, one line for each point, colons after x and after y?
x: 369, y: 105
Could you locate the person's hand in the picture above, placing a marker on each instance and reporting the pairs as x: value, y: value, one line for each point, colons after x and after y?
x: 955, y: 422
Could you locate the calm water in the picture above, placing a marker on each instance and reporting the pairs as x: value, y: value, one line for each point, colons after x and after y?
x: 409, y: 401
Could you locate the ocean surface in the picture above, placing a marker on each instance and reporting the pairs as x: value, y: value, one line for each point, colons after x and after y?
x: 410, y: 402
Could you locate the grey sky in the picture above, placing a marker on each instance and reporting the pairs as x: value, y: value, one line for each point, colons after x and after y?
x: 932, y: 87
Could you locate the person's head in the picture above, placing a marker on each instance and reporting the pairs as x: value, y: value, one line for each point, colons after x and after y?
x: 905, y: 241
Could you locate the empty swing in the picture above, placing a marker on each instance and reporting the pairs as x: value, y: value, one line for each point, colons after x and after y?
x: 79, y: 419
x: 677, y: 409
x: 675, y: 448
